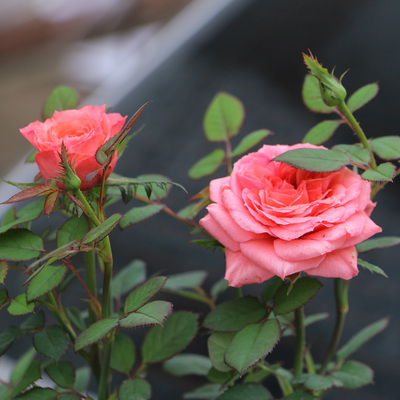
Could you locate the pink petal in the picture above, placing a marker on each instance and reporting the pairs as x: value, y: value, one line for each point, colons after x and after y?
x: 241, y: 271
x: 340, y: 263
x: 216, y: 188
x: 240, y: 214
x: 262, y: 253
x: 214, y: 229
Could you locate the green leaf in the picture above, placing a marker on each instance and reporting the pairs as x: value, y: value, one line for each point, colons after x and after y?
x: 216, y: 376
x: 354, y: 375
x: 235, y: 314
x: 302, y: 291
x: 311, y: 94
x: 300, y: 396
x: 138, y: 214
x: 217, y: 345
x: 315, y: 160
x: 123, y: 354
x: 68, y: 396
x: 62, y: 373
x: 223, y: 117
x: 273, y: 285
x: 22, y: 365
x: 135, y: 389
x: 32, y: 374
x: 188, y: 364
x: 207, y: 165
x: 186, y: 280
x: 378, y: 243
x: 313, y: 318
x: 45, y: 281
x: 130, y: 276
x: 362, y: 96
x: 144, y: 293
x: 161, y: 343
x: 74, y: 228
x: 248, y: 391
x: 82, y: 378
x: 105, y: 228
x: 159, y: 184
x: 4, y: 299
x: 318, y: 382
x: 38, y: 393
x: 51, y: 342
x: 251, y: 344
x: 371, y: 267
x: 3, y: 271
x: 249, y: 141
x: 27, y: 214
x: 20, y: 245
x: 383, y: 173
x: 322, y: 132
x: 34, y: 322
x: 358, y: 155
x: 7, y: 338
x: 61, y: 98
x: 19, y: 306
x: 218, y: 288
x: 209, y: 391
x: 95, y: 332
x: 361, y: 338
x: 151, y: 313
x: 386, y: 147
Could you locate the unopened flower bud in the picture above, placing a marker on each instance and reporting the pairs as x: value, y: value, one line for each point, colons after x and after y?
x: 68, y: 176
x: 332, y: 90
x: 71, y: 180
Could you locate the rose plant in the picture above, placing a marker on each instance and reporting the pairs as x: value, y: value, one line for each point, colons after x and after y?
x: 281, y: 212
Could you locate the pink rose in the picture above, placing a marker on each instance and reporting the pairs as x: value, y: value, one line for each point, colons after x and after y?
x: 83, y: 131
x: 274, y: 219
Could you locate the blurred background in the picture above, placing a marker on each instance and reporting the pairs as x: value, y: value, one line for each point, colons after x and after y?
x: 179, y: 53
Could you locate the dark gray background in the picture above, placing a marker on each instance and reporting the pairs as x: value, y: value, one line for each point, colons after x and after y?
x: 257, y: 57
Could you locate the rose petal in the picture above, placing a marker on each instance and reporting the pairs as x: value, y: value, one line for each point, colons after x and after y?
x: 209, y: 224
x: 216, y: 188
x: 262, y: 253
x: 241, y: 271
x: 340, y: 263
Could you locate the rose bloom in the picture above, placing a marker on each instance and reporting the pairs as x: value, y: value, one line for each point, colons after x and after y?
x: 274, y: 219
x: 83, y: 131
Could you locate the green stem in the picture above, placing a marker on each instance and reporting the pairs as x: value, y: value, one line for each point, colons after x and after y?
x: 238, y: 292
x: 228, y: 153
x: 87, y: 208
x: 300, y: 341
x: 342, y: 307
x: 106, y: 310
x: 105, y: 377
x: 61, y: 317
x: 357, y: 129
x: 90, y: 269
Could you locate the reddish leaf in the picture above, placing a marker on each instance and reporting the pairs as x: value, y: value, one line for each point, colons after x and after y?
x: 39, y: 190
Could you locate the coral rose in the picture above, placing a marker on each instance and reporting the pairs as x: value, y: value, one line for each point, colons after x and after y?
x: 274, y: 219
x: 83, y: 131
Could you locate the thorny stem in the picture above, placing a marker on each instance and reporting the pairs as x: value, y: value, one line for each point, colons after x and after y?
x: 342, y: 307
